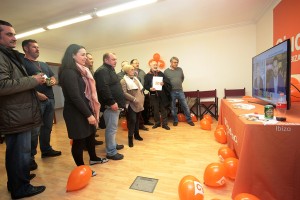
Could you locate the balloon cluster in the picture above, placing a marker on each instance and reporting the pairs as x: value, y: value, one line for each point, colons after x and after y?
x: 156, y: 57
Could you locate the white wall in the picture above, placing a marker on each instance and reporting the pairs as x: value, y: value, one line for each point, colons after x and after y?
x: 216, y: 59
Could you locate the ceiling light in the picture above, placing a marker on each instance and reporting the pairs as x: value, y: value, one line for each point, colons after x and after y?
x: 70, y: 21
x: 125, y: 6
x: 35, y: 31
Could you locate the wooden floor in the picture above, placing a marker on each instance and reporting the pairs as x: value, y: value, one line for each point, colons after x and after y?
x: 164, y: 155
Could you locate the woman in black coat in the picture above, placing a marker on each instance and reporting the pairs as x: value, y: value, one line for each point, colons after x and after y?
x: 81, y: 107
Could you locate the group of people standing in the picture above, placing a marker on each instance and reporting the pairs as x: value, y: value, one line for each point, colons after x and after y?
x: 27, y: 104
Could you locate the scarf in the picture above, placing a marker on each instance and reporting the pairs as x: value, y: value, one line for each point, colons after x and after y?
x: 133, y: 83
x: 90, y: 90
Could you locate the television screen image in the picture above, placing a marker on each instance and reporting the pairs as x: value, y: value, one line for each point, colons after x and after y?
x: 271, y: 73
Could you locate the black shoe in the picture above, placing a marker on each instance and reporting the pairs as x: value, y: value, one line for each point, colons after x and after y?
x: 166, y: 127
x: 33, y: 190
x: 115, y: 157
x: 96, y: 135
x: 33, y: 165
x: 156, y: 125
x: 175, y: 123
x: 138, y: 137
x: 148, y: 123
x: 98, y: 142
x: 31, y: 176
x: 144, y: 128
x: 51, y: 153
x: 119, y: 146
x: 191, y: 123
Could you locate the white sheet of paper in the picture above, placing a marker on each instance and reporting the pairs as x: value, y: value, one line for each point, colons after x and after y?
x: 156, y: 82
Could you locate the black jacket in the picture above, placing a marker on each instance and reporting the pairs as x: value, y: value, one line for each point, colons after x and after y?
x: 19, y: 105
x: 164, y: 95
x: 108, y: 86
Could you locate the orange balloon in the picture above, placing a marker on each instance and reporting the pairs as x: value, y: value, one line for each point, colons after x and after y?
x: 214, y: 175
x: 221, y: 136
x: 181, y: 117
x: 194, y: 118
x: 295, y: 94
x: 161, y: 64
x: 205, y: 124
x: 294, y: 81
x: 124, y: 124
x: 220, y: 126
x: 71, y: 142
x: 190, y: 189
x: 156, y: 57
x: 231, y: 165
x: 225, y: 152
x: 79, y: 178
x: 245, y: 196
x: 208, y: 117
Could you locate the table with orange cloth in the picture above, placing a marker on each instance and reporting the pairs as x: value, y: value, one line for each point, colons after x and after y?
x: 269, y: 155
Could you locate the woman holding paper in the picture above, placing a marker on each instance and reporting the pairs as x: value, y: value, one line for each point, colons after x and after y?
x: 159, y: 87
x: 133, y: 91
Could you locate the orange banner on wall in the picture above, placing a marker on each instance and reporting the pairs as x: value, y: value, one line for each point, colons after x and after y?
x: 286, y: 17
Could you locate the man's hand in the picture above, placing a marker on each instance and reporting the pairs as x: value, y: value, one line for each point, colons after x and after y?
x: 114, y: 107
x: 41, y: 96
x: 92, y: 120
x: 40, y: 78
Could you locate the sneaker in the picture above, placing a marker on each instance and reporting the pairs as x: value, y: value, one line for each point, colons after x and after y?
x: 119, y: 146
x: 93, y: 173
x: 98, y: 161
x: 117, y: 156
x: 175, y: 123
x: 191, y: 123
x: 51, y: 153
x: 33, y: 165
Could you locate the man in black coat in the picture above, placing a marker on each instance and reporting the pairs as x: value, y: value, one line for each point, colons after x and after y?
x: 112, y: 100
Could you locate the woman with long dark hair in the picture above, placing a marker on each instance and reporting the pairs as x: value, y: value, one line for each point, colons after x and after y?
x: 81, y: 107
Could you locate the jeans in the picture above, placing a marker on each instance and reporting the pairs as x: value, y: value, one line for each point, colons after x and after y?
x: 44, y: 132
x: 182, y: 101
x: 111, y: 121
x: 17, y: 162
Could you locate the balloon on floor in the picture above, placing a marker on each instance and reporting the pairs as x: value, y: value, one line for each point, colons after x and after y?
x: 214, y: 175
x: 79, y: 178
x: 124, y: 124
x: 208, y: 117
x: 245, y: 196
x: 231, y: 165
x: 205, y: 124
x: 190, y: 188
x: 221, y: 136
x: 225, y: 152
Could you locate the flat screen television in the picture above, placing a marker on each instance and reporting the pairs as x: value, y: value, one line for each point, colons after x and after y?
x: 271, y: 73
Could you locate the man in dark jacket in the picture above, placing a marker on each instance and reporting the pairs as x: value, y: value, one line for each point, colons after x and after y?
x: 159, y: 87
x: 19, y: 114
x: 112, y: 101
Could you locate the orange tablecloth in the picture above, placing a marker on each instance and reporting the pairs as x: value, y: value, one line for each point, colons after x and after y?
x: 269, y: 155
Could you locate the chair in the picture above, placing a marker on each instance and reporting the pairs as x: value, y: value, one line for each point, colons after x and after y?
x: 208, y: 102
x: 234, y: 92
x: 192, y: 99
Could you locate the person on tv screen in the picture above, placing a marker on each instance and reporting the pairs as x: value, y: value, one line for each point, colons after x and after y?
x: 258, y: 81
x: 276, y: 81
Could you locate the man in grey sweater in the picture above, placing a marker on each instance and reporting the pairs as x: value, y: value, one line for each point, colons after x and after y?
x: 176, y: 76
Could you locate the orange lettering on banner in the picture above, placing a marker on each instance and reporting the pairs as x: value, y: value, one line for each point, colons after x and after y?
x: 285, y: 25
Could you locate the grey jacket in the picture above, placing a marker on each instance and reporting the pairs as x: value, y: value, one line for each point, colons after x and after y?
x: 19, y: 105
